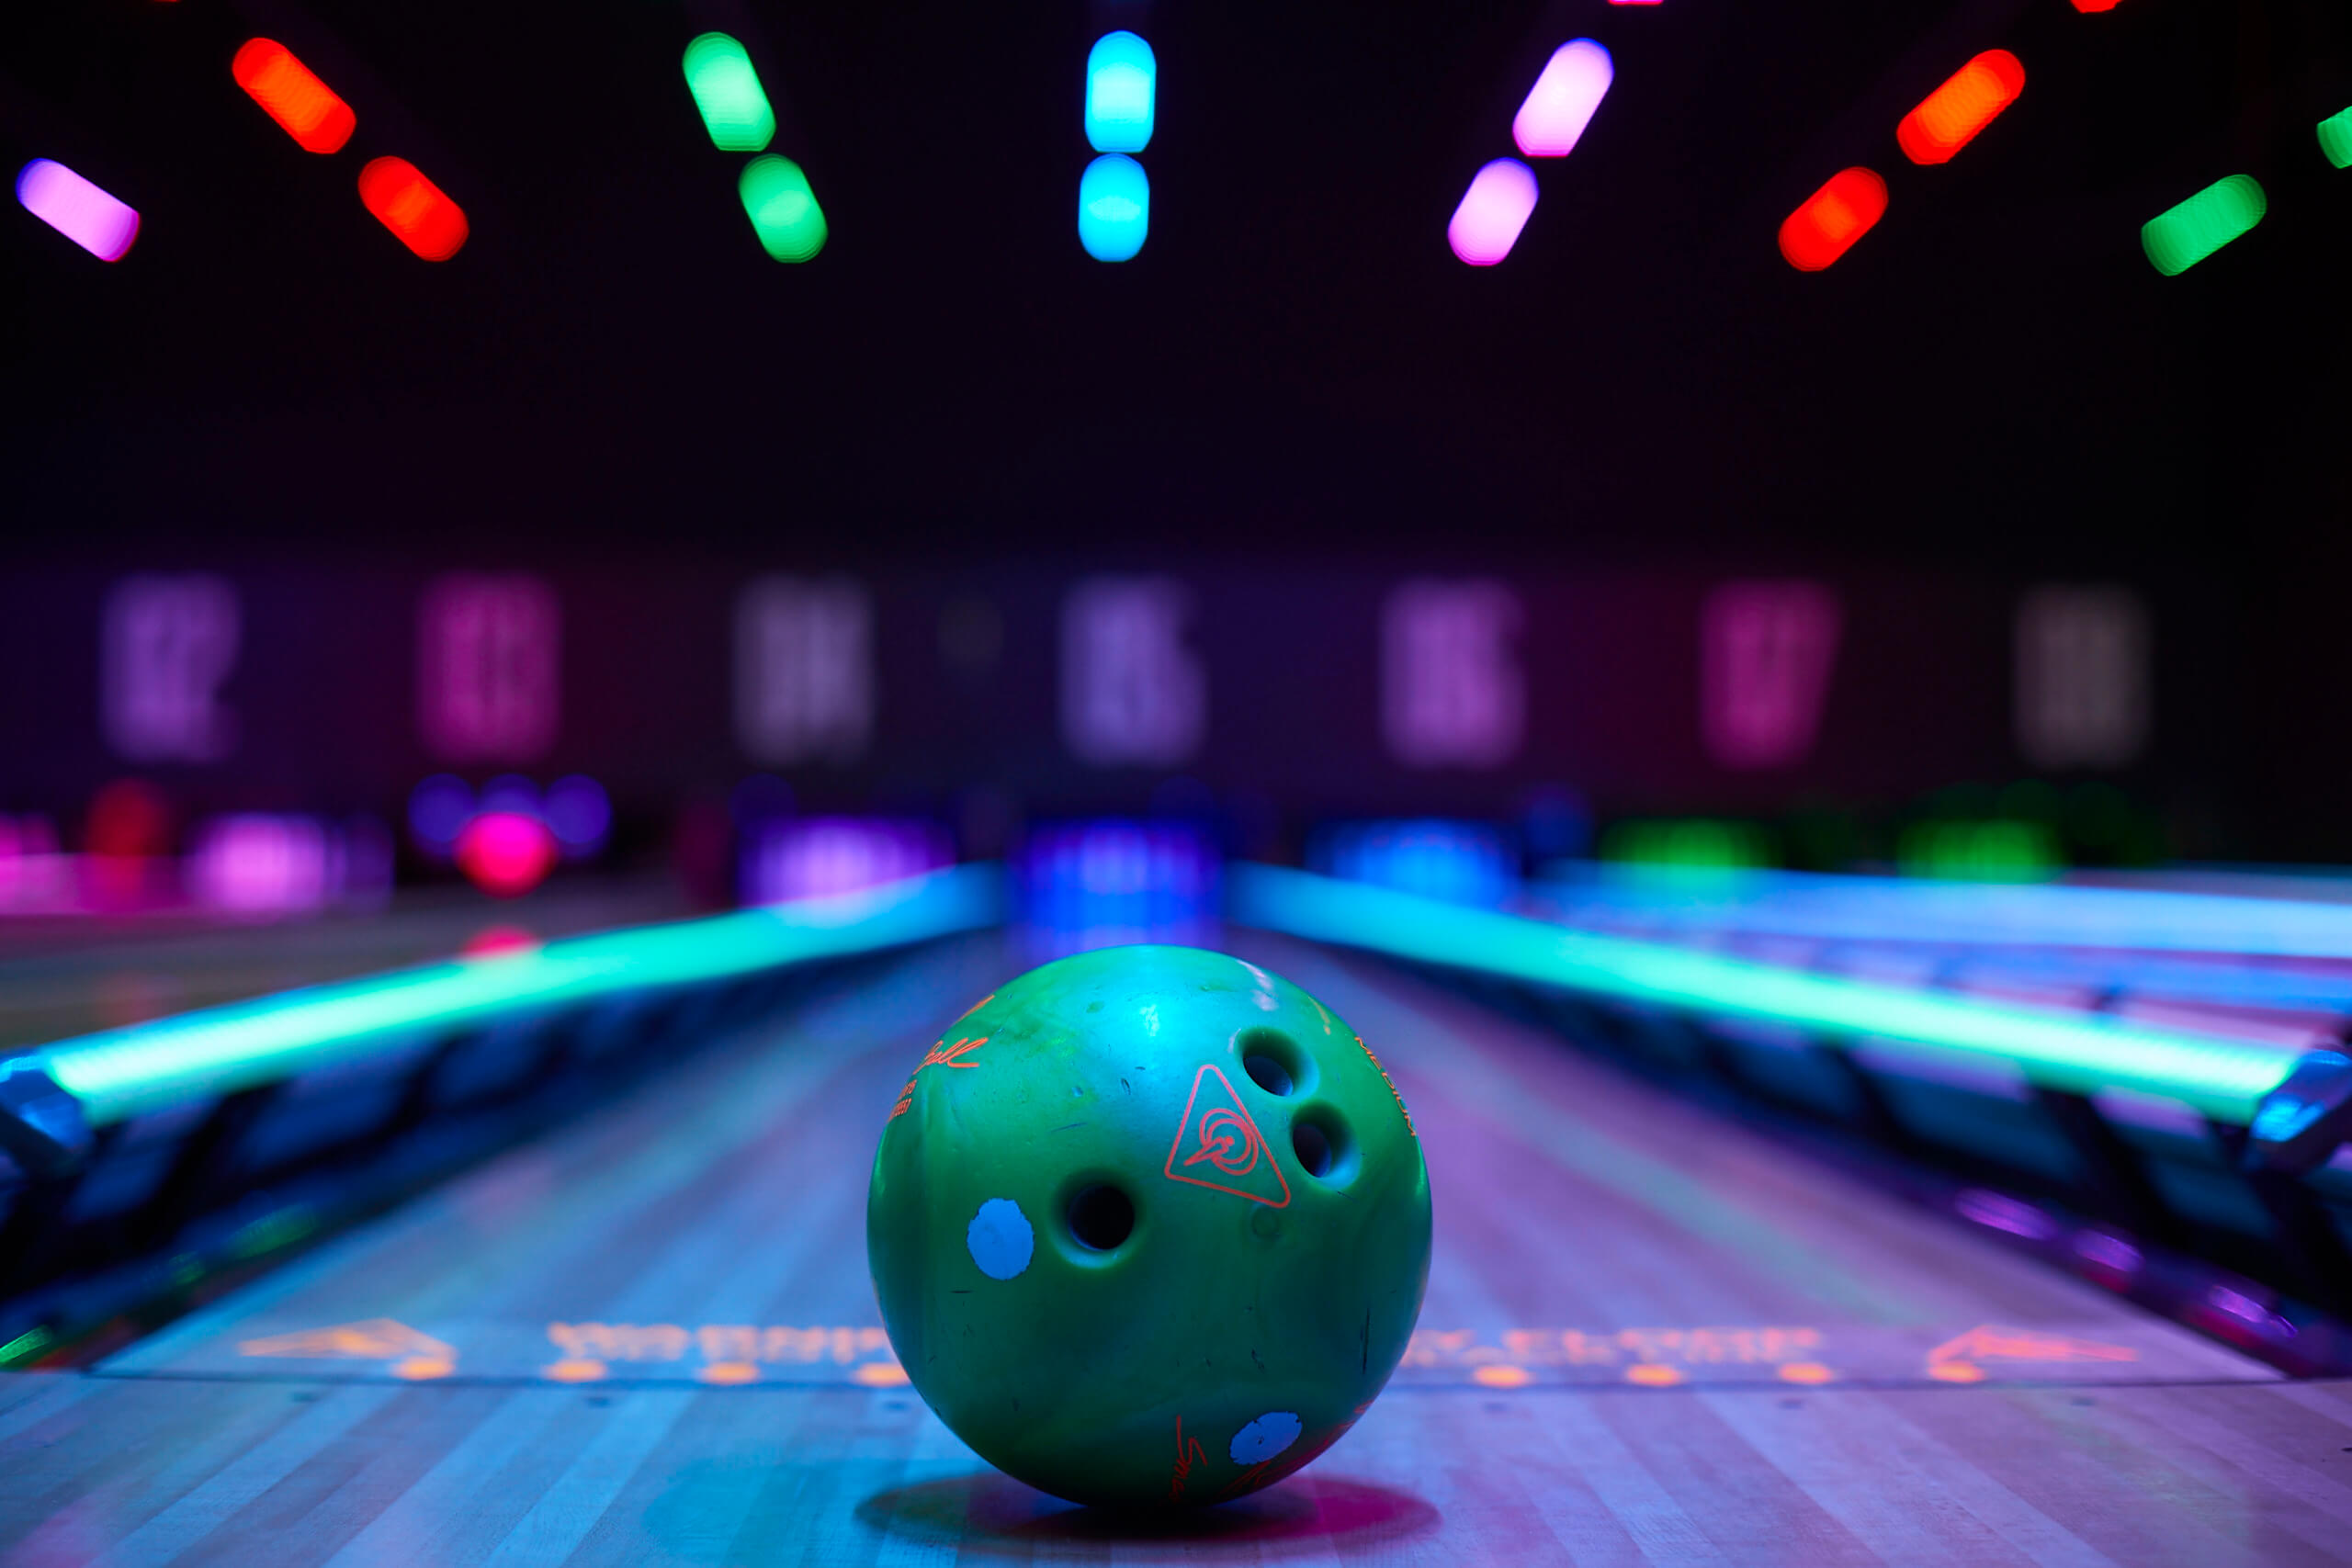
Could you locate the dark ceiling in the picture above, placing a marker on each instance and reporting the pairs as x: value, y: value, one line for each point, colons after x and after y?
x: 1295, y: 365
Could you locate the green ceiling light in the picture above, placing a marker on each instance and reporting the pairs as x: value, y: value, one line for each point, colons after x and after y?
x: 1688, y: 844
x: 2336, y: 139
x: 125, y: 1072
x: 727, y: 90
x: 2224, y: 1078
x: 782, y: 208
x: 2179, y: 237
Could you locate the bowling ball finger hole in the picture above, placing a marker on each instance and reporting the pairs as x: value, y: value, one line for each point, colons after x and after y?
x: 1324, y: 1149
x: 1268, y: 1074
x: 1274, y: 1062
x: 1102, y: 1217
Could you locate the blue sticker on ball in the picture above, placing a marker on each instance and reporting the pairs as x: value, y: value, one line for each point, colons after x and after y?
x: 1263, y: 1439
x: 1001, y: 1243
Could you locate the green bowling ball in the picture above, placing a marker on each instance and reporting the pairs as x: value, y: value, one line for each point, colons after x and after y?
x: 1149, y: 1228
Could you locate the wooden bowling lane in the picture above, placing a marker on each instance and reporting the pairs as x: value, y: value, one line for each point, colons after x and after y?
x: 711, y: 1230
x: 1591, y: 1229
x: 1649, y: 1337
x: 148, y: 1471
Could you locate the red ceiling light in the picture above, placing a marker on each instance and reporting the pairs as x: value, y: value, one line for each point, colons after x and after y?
x: 1832, y: 218
x: 412, y: 207
x: 304, y: 106
x: 1949, y: 118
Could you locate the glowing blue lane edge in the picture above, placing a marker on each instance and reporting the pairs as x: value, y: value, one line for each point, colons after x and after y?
x: 1794, y: 903
x: 126, y: 1072
x: 2221, y: 1077
x: 1651, y: 904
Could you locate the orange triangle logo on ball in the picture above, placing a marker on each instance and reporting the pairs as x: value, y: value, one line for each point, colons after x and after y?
x: 1217, y: 1145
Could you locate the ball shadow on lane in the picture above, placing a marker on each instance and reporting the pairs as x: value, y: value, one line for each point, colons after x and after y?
x: 985, y: 1512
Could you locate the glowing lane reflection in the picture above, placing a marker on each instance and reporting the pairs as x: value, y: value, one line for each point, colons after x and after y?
x: 2222, y: 1078
x: 122, y: 1073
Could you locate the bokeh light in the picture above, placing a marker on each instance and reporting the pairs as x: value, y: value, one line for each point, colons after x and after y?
x: 506, y: 854
x: 509, y: 792
x: 2336, y: 139
x: 128, y: 819
x: 1562, y: 102
x: 1948, y: 119
x: 726, y: 88
x: 128, y: 831
x: 1122, y: 87
x: 1493, y: 211
x: 1104, y: 884
x: 32, y: 874
x: 415, y: 209
x: 817, y: 857
x: 2179, y: 237
x: 782, y: 208
x: 74, y: 207
x: 438, y: 810
x: 1832, y: 218
x: 305, y: 108
x: 1114, y: 207
x: 2002, y: 850
x: 1688, y: 844
x: 264, y: 863
x: 1457, y: 863
x: 578, y: 813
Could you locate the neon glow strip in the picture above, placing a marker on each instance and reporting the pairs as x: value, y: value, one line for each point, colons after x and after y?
x: 291, y: 93
x: 726, y: 88
x: 1114, y: 207
x: 2336, y: 139
x: 1121, y: 79
x: 418, y: 212
x: 1562, y: 102
x: 1843, y: 209
x: 782, y: 208
x: 2179, y: 237
x: 74, y: 207
x: 1493, y: 211
x: 126, y: 1072
x: 1906, y: 909
x: 1970, y: 99
x: 2221, y: 1077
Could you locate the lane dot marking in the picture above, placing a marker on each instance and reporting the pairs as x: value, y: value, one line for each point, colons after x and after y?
x: 1263, y: 1439
x: 1000, y: 1239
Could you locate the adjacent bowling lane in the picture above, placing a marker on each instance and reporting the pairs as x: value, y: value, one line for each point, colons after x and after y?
x: 651, y: 1338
